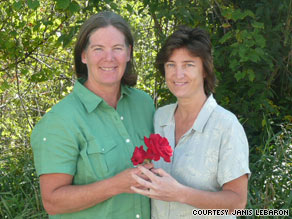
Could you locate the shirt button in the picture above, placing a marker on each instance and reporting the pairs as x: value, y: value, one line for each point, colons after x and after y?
x: 122, y: 118
x: 44, y: 139
x: 102, y: 149
x: 127, y: 140
x: 137, y: 216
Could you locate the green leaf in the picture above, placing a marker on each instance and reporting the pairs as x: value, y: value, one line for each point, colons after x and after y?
x: 4, y: 85
x: 33, y: 4
x: 9, y: 44
x: 233, y: 64
x: 239, y: 75
x: 129, y: 8
x: 13, y: 33
x: 260, y: 40
x: 264, y: 123
x: 74, y: 7
x: 258, y: 25
x: 227, y: 13
x: 62, y: 4
x: 251, y: 75
x: 24, y: 71
x: 17, y: 5
x: 249, y: 13
x: 237, y: 15
x: 226, y: 37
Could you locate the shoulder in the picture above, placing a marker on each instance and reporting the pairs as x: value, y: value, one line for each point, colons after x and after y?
x: 139, y: 94
x: 164, y: 113
x: 224, y: 114
x: 166, y: 109
x: 60, y: 115
x: 226, y: 121
x: 66, y: 106
x: 139, y: 99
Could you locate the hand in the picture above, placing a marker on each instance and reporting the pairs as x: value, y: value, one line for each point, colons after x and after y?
x: 161, y: 186
x: 148, y: 166
x: 124, y: 179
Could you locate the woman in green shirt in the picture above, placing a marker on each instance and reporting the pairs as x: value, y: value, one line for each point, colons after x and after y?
x: 83, y: 146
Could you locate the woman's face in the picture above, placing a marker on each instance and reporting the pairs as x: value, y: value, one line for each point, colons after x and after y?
x: 184, y: 74
x: 106, y: 57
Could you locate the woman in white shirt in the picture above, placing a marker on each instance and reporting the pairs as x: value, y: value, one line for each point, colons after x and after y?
x: 209, y: 167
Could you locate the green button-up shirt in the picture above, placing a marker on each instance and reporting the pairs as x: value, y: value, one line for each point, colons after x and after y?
x: 85, y: 137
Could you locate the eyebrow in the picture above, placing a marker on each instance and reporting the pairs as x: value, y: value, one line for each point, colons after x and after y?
x: 98, y: 45
x: 187, y: 61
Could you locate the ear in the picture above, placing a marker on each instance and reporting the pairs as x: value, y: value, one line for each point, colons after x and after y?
x: 83, y: 57
x: 129, y: 53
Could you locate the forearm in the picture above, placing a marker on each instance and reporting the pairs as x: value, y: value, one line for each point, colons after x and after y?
x: 226, y: 199
x: 73, y: 198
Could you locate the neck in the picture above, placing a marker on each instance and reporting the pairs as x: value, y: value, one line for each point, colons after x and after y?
x: 190, y: 107
x: 110, y: 94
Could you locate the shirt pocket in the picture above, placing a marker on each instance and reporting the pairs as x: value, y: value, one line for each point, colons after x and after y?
x: 103, y: 156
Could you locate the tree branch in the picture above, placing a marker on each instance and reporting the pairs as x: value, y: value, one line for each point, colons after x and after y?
x: 28, y: 54
x: 20, y: 96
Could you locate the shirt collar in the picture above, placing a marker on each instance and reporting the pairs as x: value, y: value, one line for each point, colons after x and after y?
x: 169, y: 117
x: 205, y: 114
x: 91, y: 100
x: 125, y: 90
x: 202, y: 118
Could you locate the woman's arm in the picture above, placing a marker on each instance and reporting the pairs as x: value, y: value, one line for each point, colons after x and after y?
x: 165, y: 187
x: 59, y: 196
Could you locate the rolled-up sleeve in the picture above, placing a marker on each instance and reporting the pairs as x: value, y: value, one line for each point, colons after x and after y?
x: 234, y: 152
x: 55, y: 149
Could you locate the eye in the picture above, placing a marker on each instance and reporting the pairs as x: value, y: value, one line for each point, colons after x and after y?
x: 118, y: 48
x: 190, y: 65
x: 97, y: 49
x: 169, y: 65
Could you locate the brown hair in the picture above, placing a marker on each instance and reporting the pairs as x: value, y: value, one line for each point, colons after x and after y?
x: 198, y: 43
x: 100, y: 20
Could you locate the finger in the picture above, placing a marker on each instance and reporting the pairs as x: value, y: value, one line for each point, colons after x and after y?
x: 140, y: 191
x: 160, y: 172
x: 148, y: 173
x: 143, y: 176
x: 148, y: 165
x: 141, y: 181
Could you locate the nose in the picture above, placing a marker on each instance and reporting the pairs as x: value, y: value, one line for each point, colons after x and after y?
x: 179, y: 72
x: 109, y: 55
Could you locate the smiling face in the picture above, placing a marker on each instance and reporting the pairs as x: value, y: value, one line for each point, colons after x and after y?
x: 184, y: 74
x: 106, y: 57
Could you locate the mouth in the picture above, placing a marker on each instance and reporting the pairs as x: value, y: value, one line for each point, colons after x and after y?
x: 107, y: 68
x: 180, y: 83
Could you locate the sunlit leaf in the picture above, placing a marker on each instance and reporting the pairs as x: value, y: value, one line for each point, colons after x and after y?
x: 33, y: 4
x: 62, y: 4
x: 17, y: 5
x: 74, y: 7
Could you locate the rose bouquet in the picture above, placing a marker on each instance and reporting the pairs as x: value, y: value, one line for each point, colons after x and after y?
x: 157, y: 147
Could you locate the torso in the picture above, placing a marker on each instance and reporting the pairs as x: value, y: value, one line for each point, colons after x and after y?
x: 182, y: 125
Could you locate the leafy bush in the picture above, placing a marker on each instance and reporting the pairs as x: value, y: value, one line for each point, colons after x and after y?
x: 270, y: 185
x: 252, y: 55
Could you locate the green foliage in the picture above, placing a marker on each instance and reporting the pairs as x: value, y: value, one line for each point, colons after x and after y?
x: 270, y: 185
x: 253, y: 63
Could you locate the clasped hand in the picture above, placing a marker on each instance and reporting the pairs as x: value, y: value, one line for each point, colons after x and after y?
x: 158, y: 184
x: 125, y: 181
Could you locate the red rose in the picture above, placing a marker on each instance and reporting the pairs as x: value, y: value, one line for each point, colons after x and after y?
x: 158, y: 147
x: 138, y: 156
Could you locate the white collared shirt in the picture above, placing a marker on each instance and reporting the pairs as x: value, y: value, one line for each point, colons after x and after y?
x: 211, y: 153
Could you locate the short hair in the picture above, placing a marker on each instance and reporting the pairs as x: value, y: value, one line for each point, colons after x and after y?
x: 101, y: 20
x: 198, y: 43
